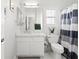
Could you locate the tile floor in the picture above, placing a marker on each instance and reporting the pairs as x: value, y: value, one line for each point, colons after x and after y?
x: 46, y: 56
x: 50, y: 56
x: 48, y: 53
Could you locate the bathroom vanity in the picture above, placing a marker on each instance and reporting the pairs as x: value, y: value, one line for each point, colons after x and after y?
x: 30, y: 44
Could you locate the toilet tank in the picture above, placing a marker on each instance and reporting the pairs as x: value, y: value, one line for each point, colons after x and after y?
x: 53, y: 38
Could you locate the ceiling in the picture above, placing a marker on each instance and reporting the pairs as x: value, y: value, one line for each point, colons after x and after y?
x: 57, y: 3
x: 54, y: 3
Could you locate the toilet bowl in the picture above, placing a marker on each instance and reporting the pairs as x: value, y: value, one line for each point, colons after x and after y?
x: 57, y: 50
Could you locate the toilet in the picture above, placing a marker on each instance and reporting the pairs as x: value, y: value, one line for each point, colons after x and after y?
x: 57, y: 48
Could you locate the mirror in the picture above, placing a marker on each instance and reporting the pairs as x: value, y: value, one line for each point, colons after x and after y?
x: 33, y: 19
x: 29, y: 19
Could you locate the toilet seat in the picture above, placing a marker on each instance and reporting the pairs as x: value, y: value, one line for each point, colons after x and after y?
x: 57, y: 48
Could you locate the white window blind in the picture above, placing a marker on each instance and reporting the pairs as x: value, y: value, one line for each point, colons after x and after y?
x: 50, y: 16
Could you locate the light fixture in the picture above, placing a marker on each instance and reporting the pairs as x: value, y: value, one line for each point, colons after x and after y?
x: 31, y: 4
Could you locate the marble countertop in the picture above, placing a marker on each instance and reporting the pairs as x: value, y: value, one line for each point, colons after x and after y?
x: 30, y: 34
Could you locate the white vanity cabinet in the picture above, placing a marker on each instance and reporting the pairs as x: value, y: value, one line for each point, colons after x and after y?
x: 22, y: 46
x: 30, y: 45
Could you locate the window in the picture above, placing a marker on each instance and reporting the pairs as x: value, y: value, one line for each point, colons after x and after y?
x: 50, y: 16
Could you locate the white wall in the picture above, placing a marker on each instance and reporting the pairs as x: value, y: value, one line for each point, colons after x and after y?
x: 44, y: 5
x: 9, y: 27
x: 41, y: 18
x: 57, y: 5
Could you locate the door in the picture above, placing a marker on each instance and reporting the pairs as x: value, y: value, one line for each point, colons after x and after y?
x: 3, y: 18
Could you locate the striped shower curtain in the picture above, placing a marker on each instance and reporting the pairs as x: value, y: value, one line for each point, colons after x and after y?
x: 69, y: 31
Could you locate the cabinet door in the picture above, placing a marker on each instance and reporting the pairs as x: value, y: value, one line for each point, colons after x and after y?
x: 23, y: 47
x: 30, y: 46
x: 36, y: 47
